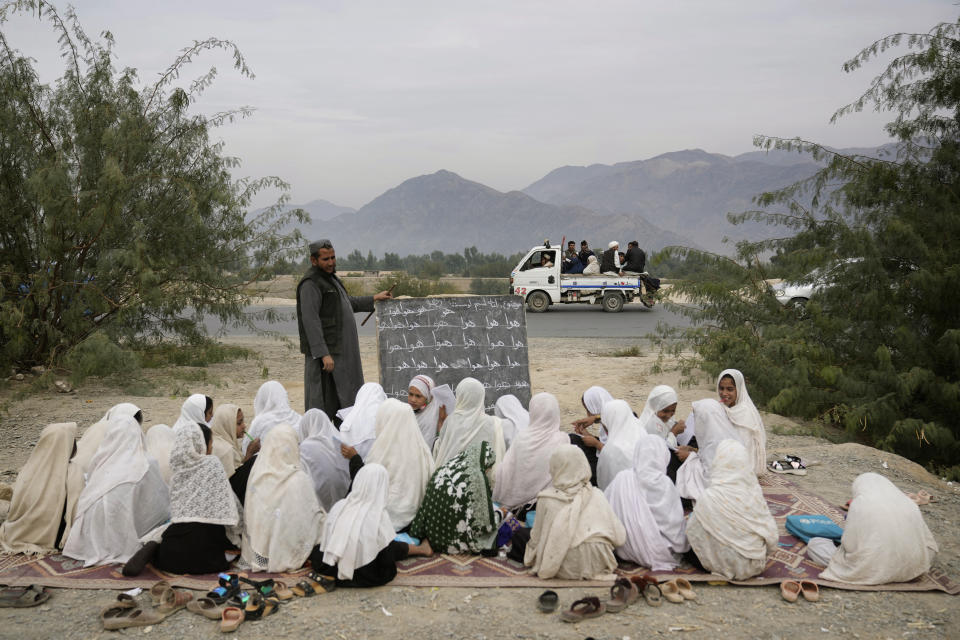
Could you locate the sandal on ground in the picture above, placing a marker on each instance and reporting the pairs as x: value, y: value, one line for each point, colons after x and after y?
x: 206, y: 607
x: 19, y: 597
x: 260, y: 607
x: 790, y: 590
x: 229, y: 588
x: 282, y: 591
x: 686, y: 589
x: 314, y: 584
x: 120, y: 618
x: 123, y: 601
x: 270, y: 587
x: 788, y: 466
x: 649, y: 589
x: 810, y: 590
x: 671, y: 591
x: 623, y: 593
x: 157, y: 591
x: 548, y: 601
x: 589, y: 607
x: 230, y: 619
x: 172, y: 601
x: 921, y: 498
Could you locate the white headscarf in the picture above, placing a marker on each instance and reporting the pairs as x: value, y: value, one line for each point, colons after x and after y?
x: 358, y: 428
x: 226, y: 446
x: 283, y: 518
x: 159, y: 444
x: 358, y: 526
x: 90, y: 441
x: 40, y: 492
x: 193, y: 411
x: 570, y: 513
x: 107, y: 531
x: 732, y: 509
x: 468, y: 425
x: 593, y: 400
x: 885, y: 538
x: 617, y: 453
x: 271, y: 406
x: 525, y: 470
x: 404, y: 456
x: 199, y: 489
x: 648, y: 505
x: 429, y: 415
x: 713, y: 427
x: 321, y: 458
x: 660, y: 397
x: 513, y: 417
x: 746, y: 419
x: 592, y: 267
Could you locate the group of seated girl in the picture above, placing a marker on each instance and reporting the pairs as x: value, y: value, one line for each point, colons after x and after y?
x: 402, y: 478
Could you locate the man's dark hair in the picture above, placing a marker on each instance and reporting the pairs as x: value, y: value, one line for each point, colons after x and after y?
x: 317, y: 246
x: 207, y: 433
x: 571, y: 242
x: 633, y: 243
x: 583, y: 242
x: 138, y: 416
x: 208, y: 405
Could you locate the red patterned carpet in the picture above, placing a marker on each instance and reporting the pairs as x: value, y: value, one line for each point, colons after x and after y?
x: 787, y: 562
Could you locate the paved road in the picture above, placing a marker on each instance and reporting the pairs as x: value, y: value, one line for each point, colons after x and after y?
x: 562, y: 321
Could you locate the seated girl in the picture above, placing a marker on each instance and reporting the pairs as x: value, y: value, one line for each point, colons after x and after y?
x: 468, y: 425
x: 202, y: 507
x: 648, y: 505
x: 513, y: 417
x: 593, y: 266
x: 624, y: 431
x: 657, y: 419
x: 197, y: 409
x: 283, y: 519
x: 228, y: 427
x: 457, y: 514
x: 358, y: 429
x: 357, y: 544
x: 731, y: 529
x: 592, y: 400
x: 90, y: 441
x: 713, y: 427
x: 575, y: 530
x: 125, y: 498
x: 430, y: 415
x: 321, y: 459
x: 37, y: 519
x: 744, y: 415
x: 885, y: 538
x: 525, y: 469
x: 271, y: 407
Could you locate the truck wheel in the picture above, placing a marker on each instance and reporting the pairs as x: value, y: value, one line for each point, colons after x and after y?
x: 612, y: 302
x: 538, y: 302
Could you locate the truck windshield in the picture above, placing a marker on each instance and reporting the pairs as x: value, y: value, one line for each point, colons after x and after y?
x: 540, y: 259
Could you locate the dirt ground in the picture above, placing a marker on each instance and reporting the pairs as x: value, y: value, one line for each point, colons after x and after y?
x: 564, y: 367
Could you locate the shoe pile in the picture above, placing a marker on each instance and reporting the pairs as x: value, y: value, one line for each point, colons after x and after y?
x: 623, y: 593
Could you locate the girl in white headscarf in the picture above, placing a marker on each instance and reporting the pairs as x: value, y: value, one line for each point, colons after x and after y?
x: 468, y: 425
x: 648, y: 505
x: 513, y: 417
x: 713, y: 427
x: 35, y: 522
x: 197, y: 409
x: 321, y: 459
x: 357, y: 544
x: 593, y: 266
x: 358, y: 428
x: 90, y: 441
x: 624, y: 431
x: 271, y: 407
x: 203, y: 508
x: 731, y: 529
x: 405, y: 457
x: 593, y: 400
x: 885, y: 538
x: 228, y: 426
x: 658, y: 411
x: 525, y: 470
x: 744, y: 415
x: 283, y: 518
x: 575, y: 530
x: 420, y: 398
x: 125, y: 497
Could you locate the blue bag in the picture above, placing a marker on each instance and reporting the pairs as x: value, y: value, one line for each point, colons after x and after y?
x: 805, y: 527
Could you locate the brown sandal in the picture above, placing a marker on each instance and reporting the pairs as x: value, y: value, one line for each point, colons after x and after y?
x: 810, y: 590
x: 172, y: 601
x: 671, y: 591
x: 206, y: 607
x: 157, y: 591
x: 230, y: 619
x: 121, y: 618
x: 589, y: 607
x: 623, y: 593
x: 790, y: 590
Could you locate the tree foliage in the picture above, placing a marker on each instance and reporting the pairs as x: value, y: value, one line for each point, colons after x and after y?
x: 118, y: 213
x: 877, y: 351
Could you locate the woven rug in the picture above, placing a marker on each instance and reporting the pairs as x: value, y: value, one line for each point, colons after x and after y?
x: 787, y: 562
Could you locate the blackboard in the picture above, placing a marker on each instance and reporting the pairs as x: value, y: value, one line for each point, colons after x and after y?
x: 452, y: 338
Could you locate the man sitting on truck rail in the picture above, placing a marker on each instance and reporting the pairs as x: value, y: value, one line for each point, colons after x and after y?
x: 636, y: 259
x: 610, y: 262
x: 585, y: 253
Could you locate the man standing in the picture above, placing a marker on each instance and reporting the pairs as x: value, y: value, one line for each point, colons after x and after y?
x: 332, y: 373
x: 636, y: 259
x: 610, y: 261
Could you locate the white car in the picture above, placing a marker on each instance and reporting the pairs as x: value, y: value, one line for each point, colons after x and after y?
x: 798, y: 293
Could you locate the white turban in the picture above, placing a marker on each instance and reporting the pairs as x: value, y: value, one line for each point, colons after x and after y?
x: 613, y: 244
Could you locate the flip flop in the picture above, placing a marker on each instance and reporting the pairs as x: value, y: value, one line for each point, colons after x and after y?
x: 790, y: 590
x: 548, y: 601
x: 20, y: 597
x: 647, y: 585
x: 230, y: 619
x: 157, y: 591
x: 686, y: 589
x: 172, y: 601
x: 623, y: 593
x: 589, y: 607
x: 206, y: 607
x: 671, y: 591
x: 130, y: 618
x: 810, y: 590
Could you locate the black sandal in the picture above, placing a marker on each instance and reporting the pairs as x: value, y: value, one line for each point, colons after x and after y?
x: 263, y: 587
x: 548, y: 601
x: 228, y: 589
x: 314, y: 584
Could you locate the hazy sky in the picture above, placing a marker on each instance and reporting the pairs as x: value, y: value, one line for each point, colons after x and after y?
x: 354, y: 97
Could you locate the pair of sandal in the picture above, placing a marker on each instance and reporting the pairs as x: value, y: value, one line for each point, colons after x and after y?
x: 791, y: 590
x: 622, y: 594
x: 314, y: 584
x: 19, y: 597
x: 921, y: 498
x: 677, y: 590
x: 790, y: 464
x: 127, y: 612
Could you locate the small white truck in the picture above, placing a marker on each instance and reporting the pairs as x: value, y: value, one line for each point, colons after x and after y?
x: 541, y: 284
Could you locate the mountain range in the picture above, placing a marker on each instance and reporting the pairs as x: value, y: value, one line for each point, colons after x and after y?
x: 680, y: 197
